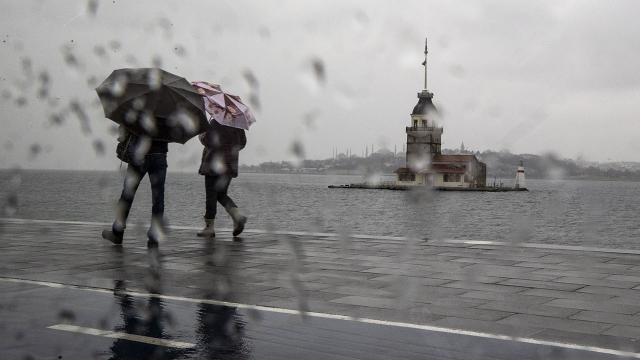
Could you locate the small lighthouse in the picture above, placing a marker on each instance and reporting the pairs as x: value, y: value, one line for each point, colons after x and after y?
x: 520, y: 181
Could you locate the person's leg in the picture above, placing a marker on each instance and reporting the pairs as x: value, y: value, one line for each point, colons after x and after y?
x: 239, y: 220
x: 210, y: 207
x: 211, y: 197
x: 157, y: 168
x: 222, y: 186
x: 131, y: 182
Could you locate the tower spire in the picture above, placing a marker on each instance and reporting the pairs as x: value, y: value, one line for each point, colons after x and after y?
x: 425, y: 63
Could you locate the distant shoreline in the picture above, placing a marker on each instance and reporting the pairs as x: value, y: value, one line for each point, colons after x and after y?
x: 489, y: 178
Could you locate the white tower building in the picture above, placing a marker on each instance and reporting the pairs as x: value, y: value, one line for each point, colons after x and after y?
x: 520, y: 180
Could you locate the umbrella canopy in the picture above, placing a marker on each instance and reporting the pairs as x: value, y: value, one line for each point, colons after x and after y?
x: 153, y: 102
x: 224, y: 108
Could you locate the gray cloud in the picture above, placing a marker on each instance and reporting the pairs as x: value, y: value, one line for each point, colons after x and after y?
x: 529, y: 76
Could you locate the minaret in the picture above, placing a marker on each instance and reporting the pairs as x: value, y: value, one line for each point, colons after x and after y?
x: 423, y: 135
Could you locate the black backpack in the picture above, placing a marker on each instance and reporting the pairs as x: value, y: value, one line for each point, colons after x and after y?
x: 124, y: 148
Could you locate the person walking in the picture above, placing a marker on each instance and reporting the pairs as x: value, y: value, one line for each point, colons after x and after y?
x: 153, y: 108
x: 145, y: 156
x: 222, y: 145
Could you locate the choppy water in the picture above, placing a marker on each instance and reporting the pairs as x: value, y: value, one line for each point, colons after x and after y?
x: 591, y: 213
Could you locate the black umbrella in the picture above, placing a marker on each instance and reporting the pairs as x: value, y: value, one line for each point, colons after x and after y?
x: 153, y: 102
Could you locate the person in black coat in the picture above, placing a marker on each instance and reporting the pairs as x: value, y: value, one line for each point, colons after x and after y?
x: 144, y: 156
x: 222, y: 145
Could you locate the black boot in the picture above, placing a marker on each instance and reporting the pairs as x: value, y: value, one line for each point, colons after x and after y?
x: 238, y: 220
x: 114, y: 236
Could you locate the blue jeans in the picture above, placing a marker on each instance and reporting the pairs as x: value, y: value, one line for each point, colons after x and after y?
x: 156, y: 166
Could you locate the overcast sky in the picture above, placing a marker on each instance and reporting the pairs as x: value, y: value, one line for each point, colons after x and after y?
x: 526, y: 76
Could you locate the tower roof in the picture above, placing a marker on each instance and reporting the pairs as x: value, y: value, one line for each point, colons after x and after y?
x: 425, y: 104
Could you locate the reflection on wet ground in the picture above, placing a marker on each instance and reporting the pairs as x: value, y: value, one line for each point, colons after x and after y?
x: 152, y: 328
x: 65, y: 294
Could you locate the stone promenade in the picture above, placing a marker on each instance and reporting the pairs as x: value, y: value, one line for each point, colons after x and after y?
x: 570, y: 295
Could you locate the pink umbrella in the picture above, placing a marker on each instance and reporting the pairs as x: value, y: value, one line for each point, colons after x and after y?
x: 224, y: 108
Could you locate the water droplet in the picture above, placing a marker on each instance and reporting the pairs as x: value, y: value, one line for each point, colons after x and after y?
x: 82, y: 116
x: 154, y: 79
x: 100, y: 52
x: 156, y: 61
x: 310, y: 117
x: 69, y: 57
x: 21, y: 101
x: 319, y: 70
x: 119, y: 85
x: 92, y: 7
x: 115, y: 45
x: 148, y: 123
x: 183, y: 121
x: 56, y: 119
x: 67, y: 315
x: 11, y: 204
x: 141, y: 148
x: 35, y: 150
x: 131, y: 60
x: 297, y: 149
x: 251, y: 79
x: 27, y: 66
x: 254, y: 100
x: 92, y: 81
x: 98, y: 147
x: 180, y: 50
x: 217, y: 165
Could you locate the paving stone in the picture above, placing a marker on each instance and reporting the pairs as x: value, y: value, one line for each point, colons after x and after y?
x: 509, y: 290
x: 566, y: 294
x: 625, y: 260
x: 464, y: 276
x: 598, y: 282
x: 426, y: 280
x: 605, y: 306
x: 456, y: 302
x: 630, y: 278
x: 516, y: 307
x: 541, y: 284
x: 484, y: 261
x: 360, y: 291
x: 607, y: 317
x: 368, y: 301
x: 611, y: 291
x: 572, y: 273
x: 484, y: 287
x: 632, y: 332
x: 521, y: 299
x: 548, y: 322
x: 496, y: 270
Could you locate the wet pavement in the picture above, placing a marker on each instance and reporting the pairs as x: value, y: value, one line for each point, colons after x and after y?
x: 66, y: 294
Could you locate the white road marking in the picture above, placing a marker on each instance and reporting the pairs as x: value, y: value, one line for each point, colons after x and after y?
x: 121, y: 335
x: 439, y: 329
x: 355, y: 236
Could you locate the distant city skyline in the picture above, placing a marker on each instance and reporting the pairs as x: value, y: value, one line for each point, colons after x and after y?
x: 528, y: 77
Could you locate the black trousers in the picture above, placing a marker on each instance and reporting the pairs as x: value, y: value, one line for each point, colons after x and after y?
x: 156, y: 166
x: 216, y: 189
